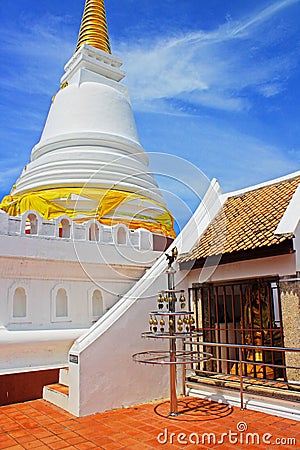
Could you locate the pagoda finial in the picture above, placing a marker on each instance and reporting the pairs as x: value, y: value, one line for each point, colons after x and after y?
x: 93, y: 29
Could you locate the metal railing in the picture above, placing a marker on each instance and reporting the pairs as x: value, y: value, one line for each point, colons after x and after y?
x: 243, y: 362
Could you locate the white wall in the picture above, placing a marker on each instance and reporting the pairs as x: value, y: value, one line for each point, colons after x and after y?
x: 262, y: 267
x: 297, y: 247
x: 40, y: 275
x: 23, y: 351
x: 108, y: 377
x: 43, y: 263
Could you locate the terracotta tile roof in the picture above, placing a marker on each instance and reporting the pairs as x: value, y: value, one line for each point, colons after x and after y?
x: 247, y: 221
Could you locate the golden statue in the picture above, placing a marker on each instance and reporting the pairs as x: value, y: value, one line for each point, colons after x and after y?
x: 258, y: 328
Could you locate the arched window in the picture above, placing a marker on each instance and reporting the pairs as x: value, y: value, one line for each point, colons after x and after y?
x: 65, y: 229
x: 97, y: 304
x: 19, y: 303
x: 94, y: 232
x: 121, y: 236
x: 60, y: 308
x: 31, y: 226
x: 61, y: 304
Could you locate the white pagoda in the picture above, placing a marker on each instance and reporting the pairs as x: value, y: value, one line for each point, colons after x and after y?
x: 89, y: 162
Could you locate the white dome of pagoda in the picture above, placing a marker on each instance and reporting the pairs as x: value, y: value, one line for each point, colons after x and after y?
x: 91, y: 106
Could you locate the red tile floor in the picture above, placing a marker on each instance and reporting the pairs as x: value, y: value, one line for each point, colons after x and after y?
x: 201, y: 425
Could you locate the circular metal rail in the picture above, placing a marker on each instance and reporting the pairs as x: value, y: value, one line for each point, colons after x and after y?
x: 174, y: 335
x: 164, y: 357
x: 171, y: 313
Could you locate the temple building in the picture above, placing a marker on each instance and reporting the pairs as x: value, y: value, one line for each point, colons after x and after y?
x: 83, y: 235
x: 243, y: 280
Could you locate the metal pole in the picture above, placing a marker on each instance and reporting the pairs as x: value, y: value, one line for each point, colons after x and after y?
x: 241, y: 380
x: 173, y: 392
x: 183, y: 374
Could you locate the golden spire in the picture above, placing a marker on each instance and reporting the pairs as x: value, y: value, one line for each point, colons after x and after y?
x: 93, y: 29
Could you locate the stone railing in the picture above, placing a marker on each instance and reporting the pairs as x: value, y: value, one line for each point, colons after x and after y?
x: 32, y: 225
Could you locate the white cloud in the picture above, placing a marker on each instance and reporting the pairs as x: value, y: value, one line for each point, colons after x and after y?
x: 212, y: 69
x: 263, y: 15
x: 269, y: 90
x: 8, y: 174
x: 238, y: 159
x: 46, y: 46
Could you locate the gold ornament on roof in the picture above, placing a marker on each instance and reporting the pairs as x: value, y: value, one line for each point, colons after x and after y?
x: 93, y: 29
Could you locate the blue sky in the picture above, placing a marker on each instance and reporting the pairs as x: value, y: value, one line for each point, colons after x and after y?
x: 215, y: 83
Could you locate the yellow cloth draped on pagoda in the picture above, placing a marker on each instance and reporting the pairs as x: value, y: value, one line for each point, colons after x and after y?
x: 46, y: 203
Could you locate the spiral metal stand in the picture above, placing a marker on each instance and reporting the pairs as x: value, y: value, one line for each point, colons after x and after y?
x: 171, y: 322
